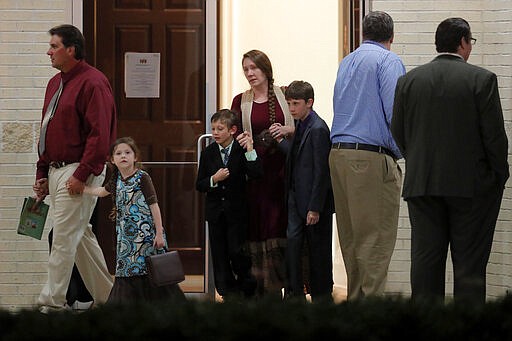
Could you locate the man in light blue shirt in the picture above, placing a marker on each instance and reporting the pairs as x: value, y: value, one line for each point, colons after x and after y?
x: 366, y: 179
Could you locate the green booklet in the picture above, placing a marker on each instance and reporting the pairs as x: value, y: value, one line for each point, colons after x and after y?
x: 32, y: 218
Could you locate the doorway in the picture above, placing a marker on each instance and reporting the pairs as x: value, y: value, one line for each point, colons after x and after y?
x: 166, y: 128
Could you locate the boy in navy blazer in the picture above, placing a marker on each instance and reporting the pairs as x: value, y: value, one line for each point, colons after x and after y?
x: 309, y: 192
x: 224, y: 168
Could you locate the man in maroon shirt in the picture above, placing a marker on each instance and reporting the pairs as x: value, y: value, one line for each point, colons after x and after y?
x: 77, y: 129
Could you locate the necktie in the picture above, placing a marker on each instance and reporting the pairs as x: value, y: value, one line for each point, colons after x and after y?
x: 50, y: 111
x: 225, y: 155
x: 299, y: 131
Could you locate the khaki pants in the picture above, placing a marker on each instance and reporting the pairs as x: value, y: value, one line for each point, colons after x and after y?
x: 366, y: 188
x: 73, y: 241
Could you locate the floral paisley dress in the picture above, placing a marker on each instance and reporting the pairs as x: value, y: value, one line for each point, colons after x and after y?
x: 135, y: 231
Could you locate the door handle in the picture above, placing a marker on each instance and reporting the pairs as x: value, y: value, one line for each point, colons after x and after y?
x: 200, y: 145
x: 181, y: 163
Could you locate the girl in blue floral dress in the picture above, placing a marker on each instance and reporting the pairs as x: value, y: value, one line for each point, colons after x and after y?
x: 139, y: 228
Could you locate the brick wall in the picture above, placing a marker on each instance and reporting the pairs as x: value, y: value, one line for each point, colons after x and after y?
x: 24, y: 71
x: 491, y: 25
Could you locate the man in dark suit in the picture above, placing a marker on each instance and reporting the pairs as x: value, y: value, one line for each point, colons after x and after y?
x: 224, y: 168
x: 448, y: 124
x: 309, y: 192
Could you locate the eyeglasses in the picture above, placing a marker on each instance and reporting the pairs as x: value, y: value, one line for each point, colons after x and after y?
x: 473, y: 41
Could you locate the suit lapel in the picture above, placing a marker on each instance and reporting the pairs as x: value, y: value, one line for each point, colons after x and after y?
x: 306, y: 132
x: 235, y: 150
x: 217, y: 157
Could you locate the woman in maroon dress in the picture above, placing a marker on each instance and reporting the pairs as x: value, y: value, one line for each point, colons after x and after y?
x: 259, y: 107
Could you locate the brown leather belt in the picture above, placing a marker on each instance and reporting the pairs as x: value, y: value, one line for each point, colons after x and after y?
x: 363, y: 146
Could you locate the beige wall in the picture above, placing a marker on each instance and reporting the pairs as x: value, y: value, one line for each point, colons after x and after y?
x: 299, y: 36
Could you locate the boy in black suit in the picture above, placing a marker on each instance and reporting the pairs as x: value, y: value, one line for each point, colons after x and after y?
x: 310, y: 198
x: 224, y: 168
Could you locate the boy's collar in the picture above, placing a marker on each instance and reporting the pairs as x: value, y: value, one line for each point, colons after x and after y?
x: 307, y: 116
x: 228, y: 147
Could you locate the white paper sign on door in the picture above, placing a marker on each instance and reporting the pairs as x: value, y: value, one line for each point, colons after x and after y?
x: 142, y: 75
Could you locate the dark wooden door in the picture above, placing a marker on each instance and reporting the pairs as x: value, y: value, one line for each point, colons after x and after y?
x: 165, y: 128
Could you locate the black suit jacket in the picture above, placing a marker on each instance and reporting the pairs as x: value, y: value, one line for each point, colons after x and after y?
x: 448, y: 124
x: 310, y: 171
x: 230, y: 195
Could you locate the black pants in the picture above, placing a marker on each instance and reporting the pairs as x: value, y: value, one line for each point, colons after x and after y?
x: 319, y: 242
x: 231, y: 263
x: 467, y: 226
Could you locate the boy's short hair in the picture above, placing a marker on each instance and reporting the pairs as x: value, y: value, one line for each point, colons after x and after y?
x: 299, y: 90
x: 227, y: 117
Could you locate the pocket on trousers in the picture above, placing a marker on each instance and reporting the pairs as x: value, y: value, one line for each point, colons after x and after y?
x: 359, y: 166
x: 392, y: 172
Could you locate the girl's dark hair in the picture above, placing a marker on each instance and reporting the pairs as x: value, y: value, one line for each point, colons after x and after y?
x: 263, y: 63
x: 112, y: 181
x: 71, y: 36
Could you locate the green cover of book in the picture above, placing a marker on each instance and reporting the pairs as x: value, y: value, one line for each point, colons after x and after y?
x: 32, y: 218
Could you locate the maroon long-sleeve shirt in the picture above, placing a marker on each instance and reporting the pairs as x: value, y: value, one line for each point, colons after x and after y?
x: 84, y: 124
